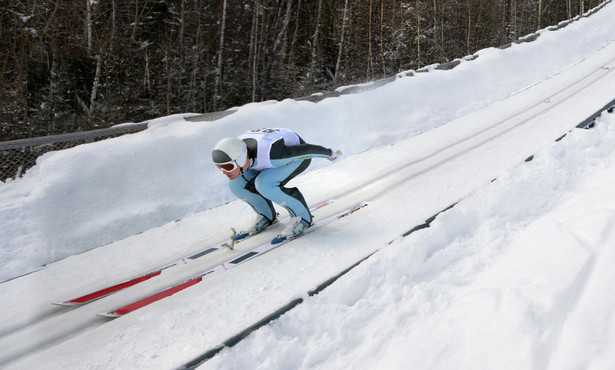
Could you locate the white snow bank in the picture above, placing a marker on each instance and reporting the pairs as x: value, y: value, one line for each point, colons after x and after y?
x: 516, y: 276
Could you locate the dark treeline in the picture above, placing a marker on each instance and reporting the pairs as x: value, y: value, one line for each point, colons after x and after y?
x: 75, y: 65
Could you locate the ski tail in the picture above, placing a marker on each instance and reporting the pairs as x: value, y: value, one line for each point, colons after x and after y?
x: 109, y: 290
x: 151, y: 299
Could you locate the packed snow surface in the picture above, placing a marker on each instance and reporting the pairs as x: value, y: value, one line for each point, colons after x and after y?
x: 516, y: 275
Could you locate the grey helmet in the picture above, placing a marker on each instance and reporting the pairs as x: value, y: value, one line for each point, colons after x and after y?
x: 230, y: 149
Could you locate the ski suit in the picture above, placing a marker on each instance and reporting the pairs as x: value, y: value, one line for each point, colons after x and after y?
x: 276, y: 156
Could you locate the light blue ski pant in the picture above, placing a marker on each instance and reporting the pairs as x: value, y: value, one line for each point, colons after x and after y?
x: 260, y: 188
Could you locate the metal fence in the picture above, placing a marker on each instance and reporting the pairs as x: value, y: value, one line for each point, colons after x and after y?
x: 589, y: 121
x: 18, y: 155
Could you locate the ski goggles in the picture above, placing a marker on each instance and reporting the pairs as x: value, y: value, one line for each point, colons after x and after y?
x: 227, y: 166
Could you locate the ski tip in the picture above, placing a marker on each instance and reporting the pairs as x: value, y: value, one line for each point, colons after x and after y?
x: 109, y: 315
x: 66, y: 304
x: 278, y: 239
x: 241, y: 236
x: 324, y: 204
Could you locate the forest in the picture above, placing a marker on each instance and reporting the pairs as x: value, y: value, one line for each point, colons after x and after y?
x: 76, y: 65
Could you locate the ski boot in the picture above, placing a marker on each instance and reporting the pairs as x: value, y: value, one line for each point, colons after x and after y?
x: 260, y: 223
x: 296, y: 226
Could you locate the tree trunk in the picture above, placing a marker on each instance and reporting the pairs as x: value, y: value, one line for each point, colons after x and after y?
x: 167, y: 69
x: 418, y: 33
x: 436, y: 26
x: 382, y: 57
x: 370, y: 63
x: 511, y: 23
x: 218, y: 81
x: 538, y: 24
x: 282, y: 39
x: 469, y: 28
x: 181, y: 27
x: 134, y: 25
x: 254, y: 47
x: 96, y: 83
x: 292, y: 60
x: 51, y: 97
x: 341, y: 45
x: 146, y: 74
x: 113, y: 13
x: 88, y: 25
x: 50, y: 21
x: 196, y: 58
x: 316, y: 36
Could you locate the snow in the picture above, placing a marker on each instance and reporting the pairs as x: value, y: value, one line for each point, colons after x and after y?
x: 515, y: 275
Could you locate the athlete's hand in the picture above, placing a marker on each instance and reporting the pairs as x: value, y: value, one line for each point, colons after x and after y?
x: 335, y: 156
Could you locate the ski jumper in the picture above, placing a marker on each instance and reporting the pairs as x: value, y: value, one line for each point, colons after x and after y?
x: 276, y: 156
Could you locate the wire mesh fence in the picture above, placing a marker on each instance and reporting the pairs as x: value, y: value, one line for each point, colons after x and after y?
x: 17, y: 156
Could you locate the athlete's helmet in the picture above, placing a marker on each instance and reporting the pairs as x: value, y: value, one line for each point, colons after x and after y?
x: 230, y: 149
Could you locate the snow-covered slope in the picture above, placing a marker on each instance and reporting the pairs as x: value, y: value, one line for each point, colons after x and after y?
x: 515, y: 276
x: 507, y: 278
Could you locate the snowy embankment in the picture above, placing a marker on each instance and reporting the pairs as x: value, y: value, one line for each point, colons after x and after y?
x: 515, y: 275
